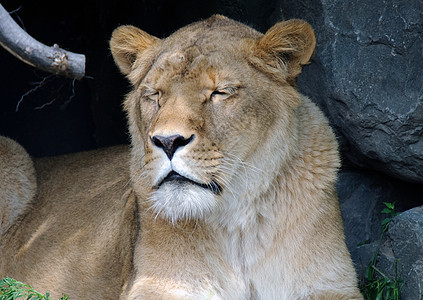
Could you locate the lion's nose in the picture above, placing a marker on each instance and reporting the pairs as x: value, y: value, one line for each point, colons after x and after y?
x: 169, y: 144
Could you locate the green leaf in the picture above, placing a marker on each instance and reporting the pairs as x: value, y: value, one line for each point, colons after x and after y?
x: 11, y: 289
x: 369, y: 273
x: 389, y: 205
x: 386, y: 211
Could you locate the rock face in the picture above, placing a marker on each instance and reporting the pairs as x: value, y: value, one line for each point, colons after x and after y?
x: 368, y: 76
x: 361, y: 197
x: 405, y: 252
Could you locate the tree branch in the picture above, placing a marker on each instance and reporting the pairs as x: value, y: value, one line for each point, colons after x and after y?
x: 50, y: 59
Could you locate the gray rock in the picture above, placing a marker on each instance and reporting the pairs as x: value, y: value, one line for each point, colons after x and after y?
x: 368, y: 76
x: 403, y: 247
x: 361, y: 196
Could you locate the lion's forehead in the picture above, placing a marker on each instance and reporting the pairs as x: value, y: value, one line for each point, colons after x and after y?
x: 183, y: 61
x: 198, y: 51
x: 189, y: 66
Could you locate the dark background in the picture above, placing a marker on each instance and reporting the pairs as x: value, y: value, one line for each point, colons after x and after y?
x: 51, y: 115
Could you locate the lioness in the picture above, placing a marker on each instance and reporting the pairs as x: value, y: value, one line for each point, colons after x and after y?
x: 228, y: 192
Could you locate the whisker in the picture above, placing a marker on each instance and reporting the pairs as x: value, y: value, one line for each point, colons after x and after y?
x: 227, y: 184
x: 235, y: 158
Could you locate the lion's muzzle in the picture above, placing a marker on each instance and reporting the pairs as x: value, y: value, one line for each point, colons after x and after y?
x: 169, y: 144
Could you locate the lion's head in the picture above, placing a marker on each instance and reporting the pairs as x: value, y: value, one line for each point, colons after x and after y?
x: 212, y: 110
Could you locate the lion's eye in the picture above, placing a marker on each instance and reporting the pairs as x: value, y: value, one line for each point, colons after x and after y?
x: 154, y: 97
x: 151, y: 94
x: 222, y: 94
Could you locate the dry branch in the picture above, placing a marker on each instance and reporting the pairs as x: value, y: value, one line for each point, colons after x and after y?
x: 51, y: 59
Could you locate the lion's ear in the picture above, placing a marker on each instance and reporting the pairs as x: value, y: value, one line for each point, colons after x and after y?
x: 291, y: 42
x: 127, y: 43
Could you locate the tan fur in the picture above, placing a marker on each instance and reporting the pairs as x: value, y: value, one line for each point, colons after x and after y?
x: 253, y: 213
x: 77, y: 238
x: 17, y: 182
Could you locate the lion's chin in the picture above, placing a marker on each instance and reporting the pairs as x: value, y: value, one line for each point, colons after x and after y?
x: 177, y: 201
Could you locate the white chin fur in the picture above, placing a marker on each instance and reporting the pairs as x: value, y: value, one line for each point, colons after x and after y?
x: 182, y: 201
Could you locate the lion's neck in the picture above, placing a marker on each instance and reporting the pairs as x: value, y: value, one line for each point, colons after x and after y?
x: 246, y: 227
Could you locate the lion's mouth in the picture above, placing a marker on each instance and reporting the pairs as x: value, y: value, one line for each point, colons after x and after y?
x: 173, y: 176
